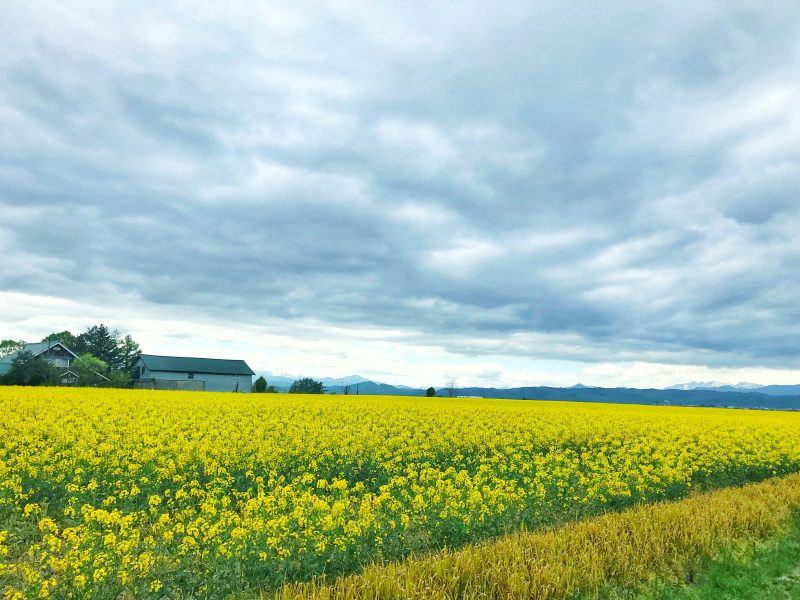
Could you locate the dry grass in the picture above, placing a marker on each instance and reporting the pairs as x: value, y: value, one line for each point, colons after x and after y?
x: 627, y: 549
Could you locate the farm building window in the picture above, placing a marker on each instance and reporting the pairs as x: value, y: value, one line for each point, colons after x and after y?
x: 191, y: 375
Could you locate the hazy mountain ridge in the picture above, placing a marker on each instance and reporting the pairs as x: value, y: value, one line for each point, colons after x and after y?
x: 742, y: 395
x: 377, y: 389
x: 658, y: 397
x: 770, y: 390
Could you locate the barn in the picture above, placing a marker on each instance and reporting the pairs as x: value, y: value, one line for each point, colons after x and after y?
x: 187, y: 373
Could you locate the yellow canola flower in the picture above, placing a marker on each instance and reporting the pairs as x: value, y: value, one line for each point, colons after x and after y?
x: 129, y: 489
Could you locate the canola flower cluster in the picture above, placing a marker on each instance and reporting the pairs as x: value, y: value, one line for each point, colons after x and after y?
x: 616, y: 555
x: 123, y: 493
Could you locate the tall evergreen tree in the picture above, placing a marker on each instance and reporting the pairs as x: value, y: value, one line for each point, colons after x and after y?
x: 128, y: 351
x: 102, y: 343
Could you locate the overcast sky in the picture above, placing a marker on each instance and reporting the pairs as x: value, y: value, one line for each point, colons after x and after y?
x: 506, y: 193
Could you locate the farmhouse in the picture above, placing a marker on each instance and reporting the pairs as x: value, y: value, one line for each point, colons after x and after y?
x: 186, y: 373
x: 54, y: 352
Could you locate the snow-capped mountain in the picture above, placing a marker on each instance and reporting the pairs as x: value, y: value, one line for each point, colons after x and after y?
x: 284, y: 380
x: 716, y: 385
x: 742, y: 386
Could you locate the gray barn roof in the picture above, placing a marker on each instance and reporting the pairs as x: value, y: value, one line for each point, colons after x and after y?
x: 196, y: 365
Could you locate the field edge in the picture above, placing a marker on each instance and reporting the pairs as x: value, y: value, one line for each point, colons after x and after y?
x: 633, y: 550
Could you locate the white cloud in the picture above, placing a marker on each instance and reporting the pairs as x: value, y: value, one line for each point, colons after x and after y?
x: 412, y: 191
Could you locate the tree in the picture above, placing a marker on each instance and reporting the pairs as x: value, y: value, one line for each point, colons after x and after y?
x: 306, y: 386
x: 90, y: 371
x: 10, y: 346
x: 260, y: 385
x: 66, y: 338
x: 128, y: 351
x: 430, y: 392
x: 27, y: 370
x: 451, y: 387
x: 98, y: 340
x: 118, y: 379
x: 102, y: 343
x: 116, y: 353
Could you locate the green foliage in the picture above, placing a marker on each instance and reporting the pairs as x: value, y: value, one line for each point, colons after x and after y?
x: 106, y: 359
x: 430, y: 392
x: 104, y: 344
x: 66, y: 338
x: 90, y: 371
x: 117, y: 352
x: 306, y: 386
x: 9, y: 346
x: 260, y: 387
x: 94, y: 372
x: 128, y: 351
x: 27, y: 370
x: 118, y: 379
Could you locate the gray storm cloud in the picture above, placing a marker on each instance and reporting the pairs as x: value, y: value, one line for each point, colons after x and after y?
x: 621, y: 178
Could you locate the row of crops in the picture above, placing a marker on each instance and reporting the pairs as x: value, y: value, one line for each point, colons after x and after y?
x: 615, y: 556
x: 111, y: 492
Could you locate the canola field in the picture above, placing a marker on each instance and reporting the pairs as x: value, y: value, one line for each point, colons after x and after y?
x: 614, y: 556
x: 130, y: 493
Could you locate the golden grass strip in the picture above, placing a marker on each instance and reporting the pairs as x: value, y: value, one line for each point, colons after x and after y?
x: 625, y: 549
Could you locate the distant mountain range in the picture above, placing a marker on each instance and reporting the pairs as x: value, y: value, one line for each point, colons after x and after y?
x: 283, y: 382
x: 713, y: 394
x: 659, y: 397
x: 771, y: 390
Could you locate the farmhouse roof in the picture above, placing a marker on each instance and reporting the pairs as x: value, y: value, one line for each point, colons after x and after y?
x: 216, y: 366
x: 36, y: 349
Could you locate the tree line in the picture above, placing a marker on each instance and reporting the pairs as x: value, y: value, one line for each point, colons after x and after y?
x: 306, y: 385
x: 105, y: 358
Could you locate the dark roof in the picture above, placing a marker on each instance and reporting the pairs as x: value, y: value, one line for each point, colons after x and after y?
x: 196, y: 365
